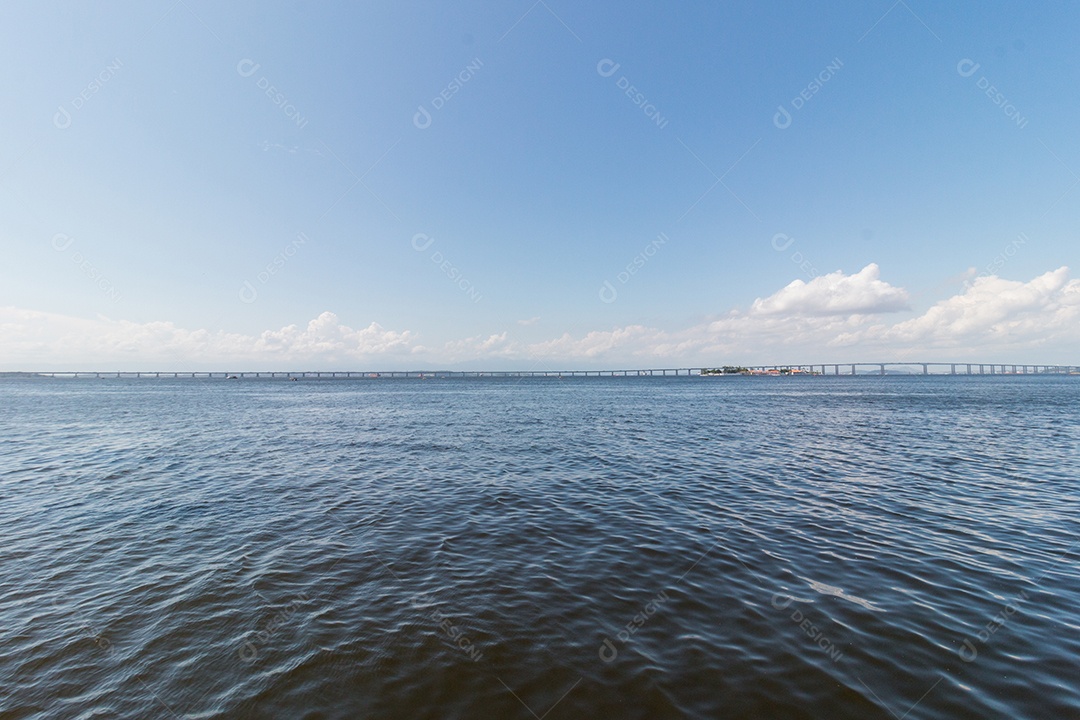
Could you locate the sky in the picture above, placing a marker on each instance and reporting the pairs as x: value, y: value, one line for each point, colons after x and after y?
x: 537, y: 184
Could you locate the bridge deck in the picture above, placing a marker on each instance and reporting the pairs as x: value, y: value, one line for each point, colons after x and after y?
x: 909, y: 368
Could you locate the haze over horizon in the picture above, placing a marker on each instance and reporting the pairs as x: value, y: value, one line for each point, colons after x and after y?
x: 537, y: 185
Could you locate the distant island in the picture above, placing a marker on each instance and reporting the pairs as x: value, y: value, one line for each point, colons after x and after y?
x: 739, y: 370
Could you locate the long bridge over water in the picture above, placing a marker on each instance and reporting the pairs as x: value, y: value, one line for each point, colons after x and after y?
x: 848, y: 369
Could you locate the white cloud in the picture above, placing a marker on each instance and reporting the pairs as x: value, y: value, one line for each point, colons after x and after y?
x: 992, y: 310
x: 497, y: 345
x: 832, y: 318
x: 325, y: 336
x: 32, y: 339
x: 633, y: 340
x: 835, y: 294
x: 837, y: 316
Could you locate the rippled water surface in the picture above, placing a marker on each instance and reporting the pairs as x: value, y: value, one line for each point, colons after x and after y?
x: 543, y: 548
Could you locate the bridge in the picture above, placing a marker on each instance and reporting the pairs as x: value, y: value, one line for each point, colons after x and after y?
x: 848, y: 369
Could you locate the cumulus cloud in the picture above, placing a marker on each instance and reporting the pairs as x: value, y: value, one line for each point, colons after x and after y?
x: 326, y: 336
x: 995, y: 310
x: 835, y: 294
x: 496, y: 345
x: 30, y: 338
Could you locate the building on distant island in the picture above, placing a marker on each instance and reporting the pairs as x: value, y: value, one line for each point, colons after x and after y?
x: 726, y: 370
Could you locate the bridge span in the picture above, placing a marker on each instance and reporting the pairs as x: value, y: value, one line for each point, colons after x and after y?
x: 847, y: 369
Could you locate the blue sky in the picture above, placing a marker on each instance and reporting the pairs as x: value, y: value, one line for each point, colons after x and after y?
x: 537, y: 184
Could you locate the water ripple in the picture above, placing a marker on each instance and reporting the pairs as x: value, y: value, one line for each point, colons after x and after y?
x: 691, y: 547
